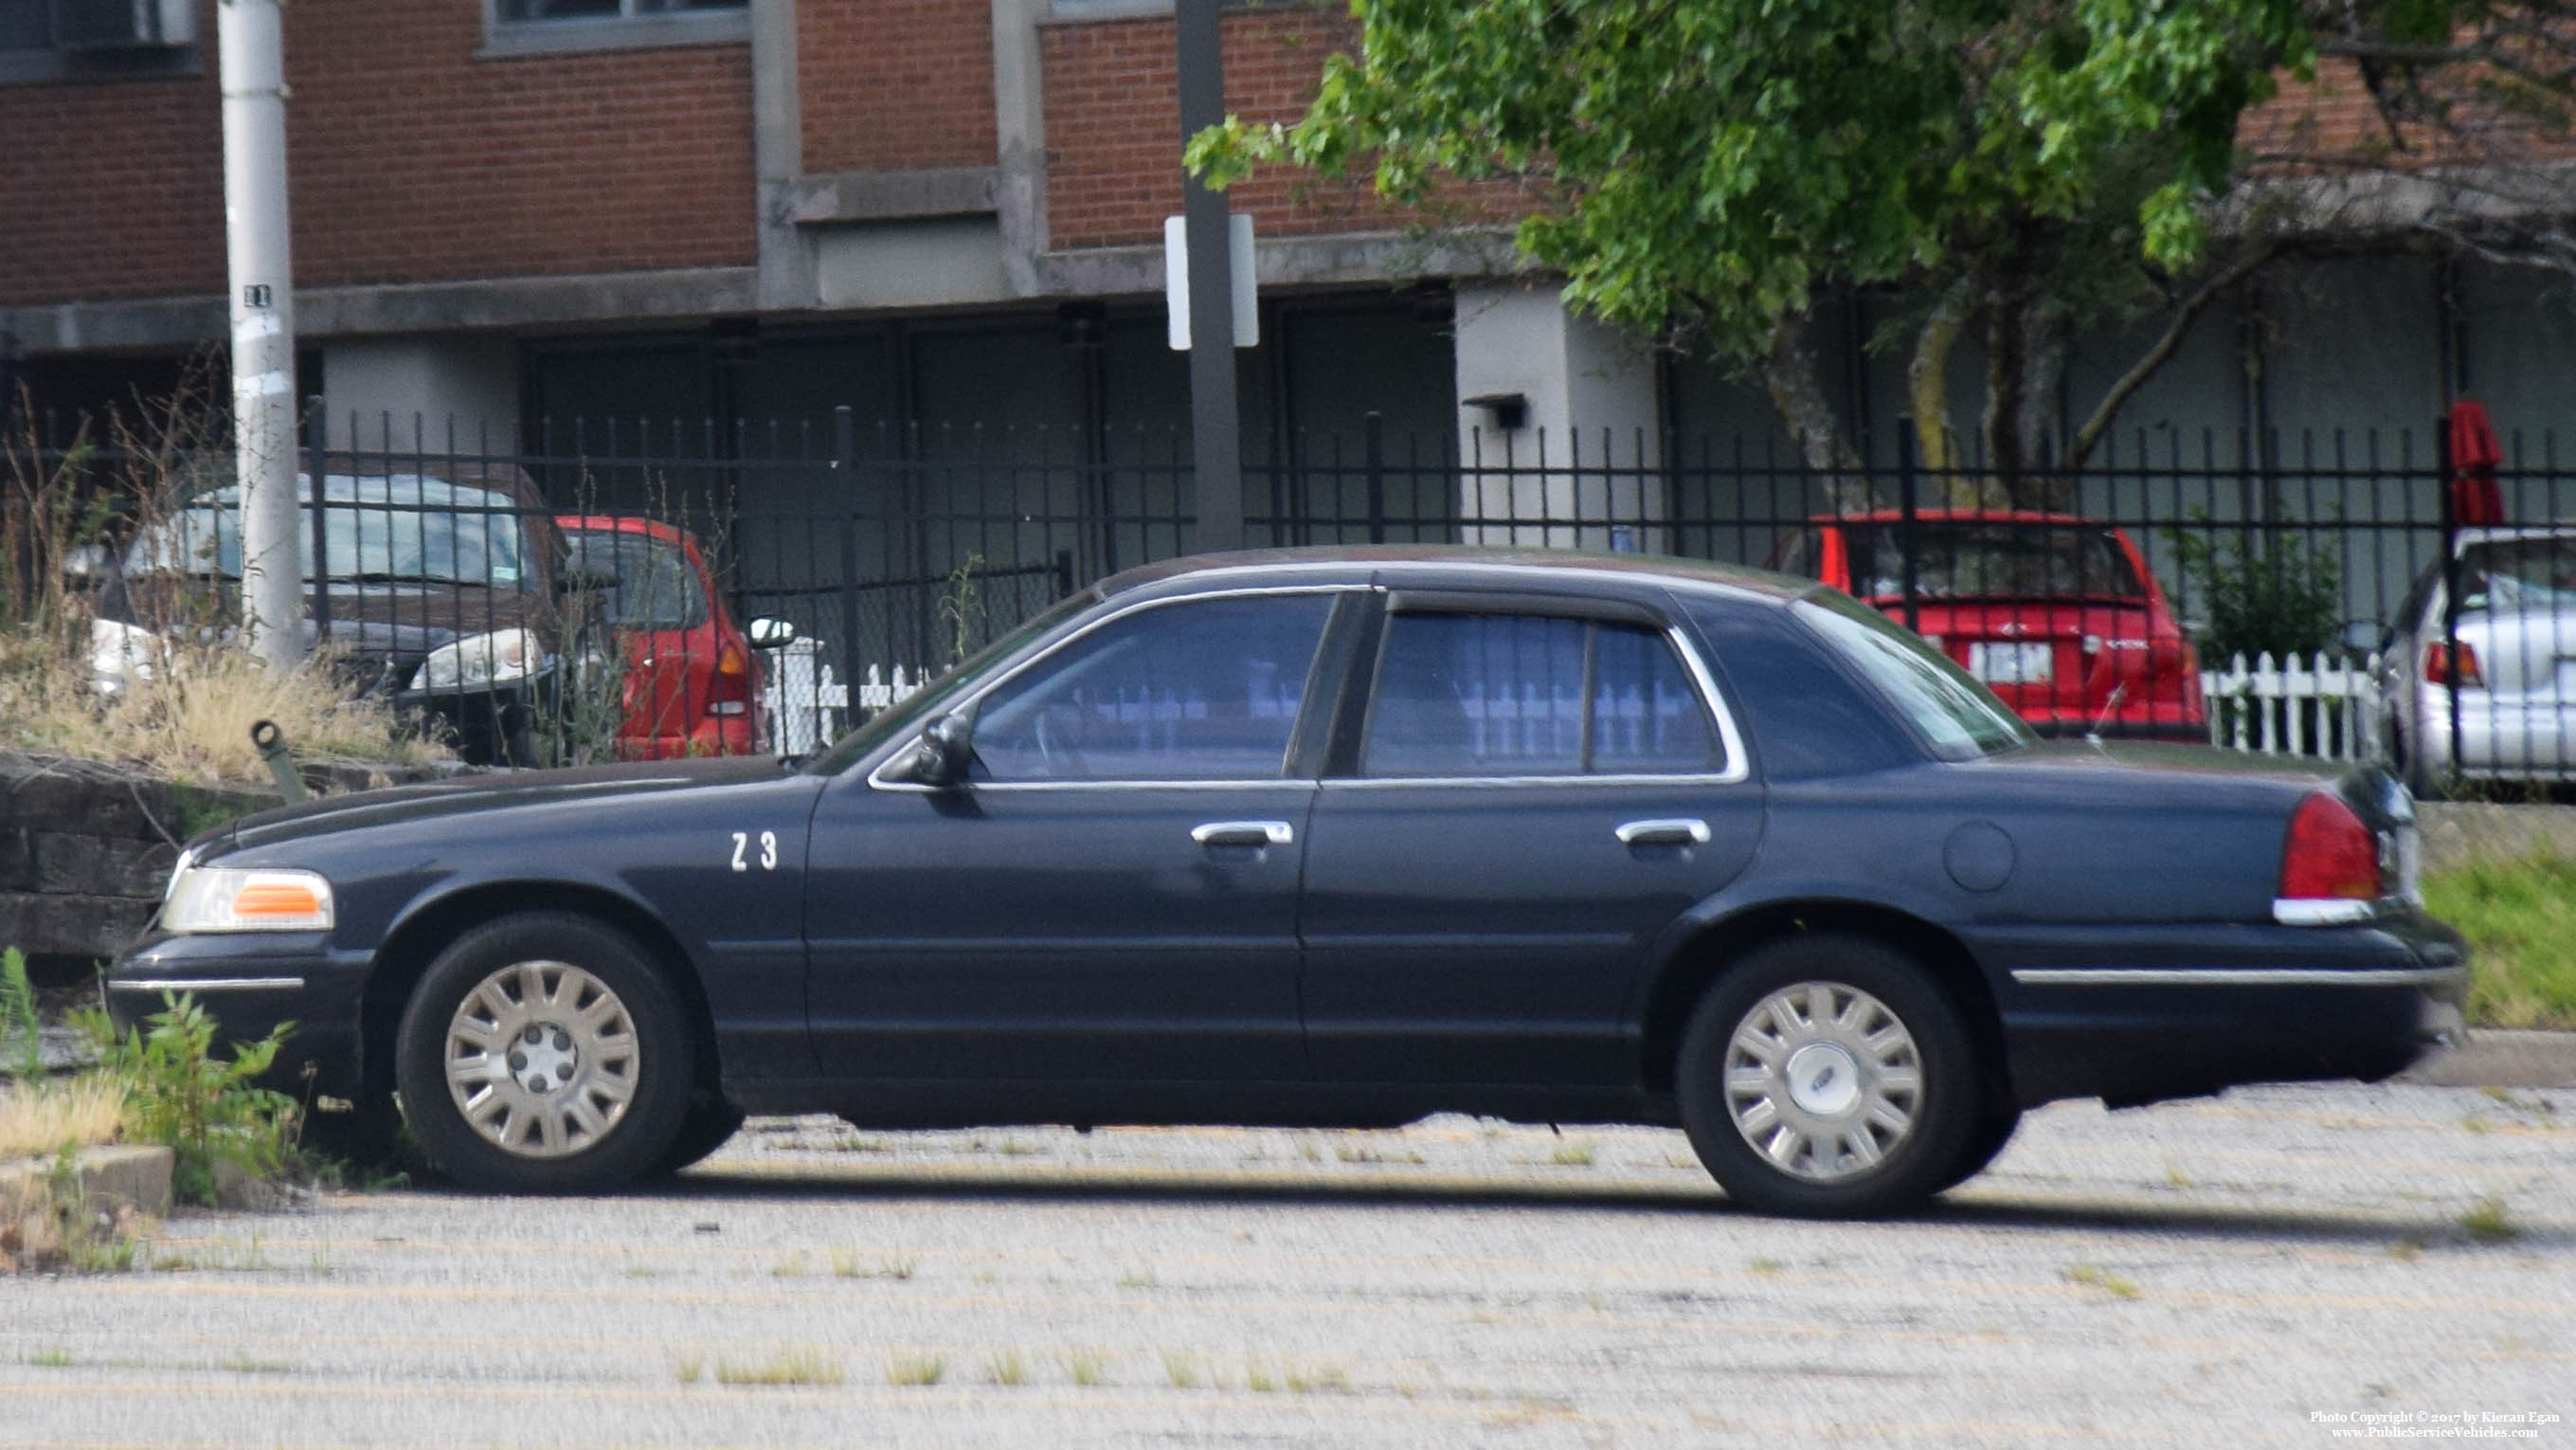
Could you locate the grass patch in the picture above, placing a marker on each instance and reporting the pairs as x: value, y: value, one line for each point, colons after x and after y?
x: 1579, y: 1153
x: 52, y: 1359
x: 2488, y: 1221
x: 1087, y: 1366
x: 1006, y: 1369
x: 915, y: 1369
x: 786, y: 1367
x: 2519, y: 914
x: 1766, y: 1266
x: 1181, y: 1369
x: 848, y: 1265
x: 2094, y: 1276
x: 38, y: 1118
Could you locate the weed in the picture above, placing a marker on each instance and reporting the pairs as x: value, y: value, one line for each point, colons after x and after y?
x: 1137, y: 1279
x: 2501, y: 1095
x: 1019, y: 1148
x: 1087, y: 1366
x: 18, y: 1016
x: 915, y: 1369
x: 181, y: 1094
x: 791, y: 1267
x: 2094, y: 1276
x: 1579, y: 1153
x: 2476, y: 1124
x: 690, y: 1367
x: 39, y: 1117
x: 1766, y: 1266
x: 2176, y: 1178
x: 786, y: 1367
x: 52, y: 1359
x: 2488, y: 1221
x: 1363, y: 1153
x: 1310, y: 1153
x: 1317, y: 1379
x: 244, y: 1364
x: 1259, y: 1380
x: 847, y: 1265
x: 1181, y: 1368
x: 1006, y: 1369
x: 2406, y: 1250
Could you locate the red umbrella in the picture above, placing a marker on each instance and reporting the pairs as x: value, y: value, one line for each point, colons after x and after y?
x: 2475, y: 498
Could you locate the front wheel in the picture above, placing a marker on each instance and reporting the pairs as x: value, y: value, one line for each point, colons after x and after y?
x: 544, y: 1053
x: 1827, y: 1076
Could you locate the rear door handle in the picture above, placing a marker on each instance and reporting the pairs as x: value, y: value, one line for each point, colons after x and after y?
x: 1679, y: 832
x: 1243, y: 833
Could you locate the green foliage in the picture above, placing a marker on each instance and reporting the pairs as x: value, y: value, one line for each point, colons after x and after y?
x: 2276, y: 596
x: 18, y: 1015
x: 2519, y: 914
x: 205, y: 1108
x: 1715, y: 162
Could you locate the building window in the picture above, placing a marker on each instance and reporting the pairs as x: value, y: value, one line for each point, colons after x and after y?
x: 56, y: 39
x: 514, y: 11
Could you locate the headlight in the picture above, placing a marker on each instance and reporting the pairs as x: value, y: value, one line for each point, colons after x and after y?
x: 498, y: 658
x: 220, y: 898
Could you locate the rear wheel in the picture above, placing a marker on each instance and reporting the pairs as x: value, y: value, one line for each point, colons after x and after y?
x: 1827, y: 1075
x: 707, y: 1125
x: 545, y: 1053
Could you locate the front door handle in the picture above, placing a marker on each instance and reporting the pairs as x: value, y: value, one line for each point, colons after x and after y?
x: 1680, y: 832
x: 1243, y: 833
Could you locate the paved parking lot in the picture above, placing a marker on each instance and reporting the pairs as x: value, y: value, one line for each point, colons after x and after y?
x: 2213, y: 1271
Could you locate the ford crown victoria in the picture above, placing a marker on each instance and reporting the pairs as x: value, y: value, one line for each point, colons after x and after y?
x: 1344, y: 837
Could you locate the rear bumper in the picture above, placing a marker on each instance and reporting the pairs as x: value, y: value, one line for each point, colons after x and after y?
x: 251, y: 983
x: 2182, y: 1011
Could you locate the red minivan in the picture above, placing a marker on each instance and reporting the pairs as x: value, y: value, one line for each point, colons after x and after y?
x: 2058, y: 615
x: 693, y: 676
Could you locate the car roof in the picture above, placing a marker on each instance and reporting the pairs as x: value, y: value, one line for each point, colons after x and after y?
x: 1471, y: 564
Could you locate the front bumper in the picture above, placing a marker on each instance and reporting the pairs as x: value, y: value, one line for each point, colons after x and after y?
x: 483, y: 725
x: 2136, y: 1014
x: 250, y: 983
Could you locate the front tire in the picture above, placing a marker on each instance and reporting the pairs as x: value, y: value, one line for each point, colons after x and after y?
x: 545, y: 1053
x: 1827, y: 1076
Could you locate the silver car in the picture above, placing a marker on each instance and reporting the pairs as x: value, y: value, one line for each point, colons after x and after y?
x: 2513, y: 711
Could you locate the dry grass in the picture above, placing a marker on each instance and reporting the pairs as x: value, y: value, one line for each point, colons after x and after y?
x: 786, y: 1367
x: 38, y: 1119
x: 191, y: 719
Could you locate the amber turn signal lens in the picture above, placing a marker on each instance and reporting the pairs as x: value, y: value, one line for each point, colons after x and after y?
x: 276, y: 899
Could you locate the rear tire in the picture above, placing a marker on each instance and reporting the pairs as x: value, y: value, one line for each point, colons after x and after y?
x: 545, y: 1053
x: 1827, y: 1076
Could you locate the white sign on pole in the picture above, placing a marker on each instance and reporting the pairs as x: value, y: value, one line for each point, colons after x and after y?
x: 1176, y: 281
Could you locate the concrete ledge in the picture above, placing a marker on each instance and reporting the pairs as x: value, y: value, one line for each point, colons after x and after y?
x: 2501, y: 1058
x: 879, y: 196
x: 136, y: 1176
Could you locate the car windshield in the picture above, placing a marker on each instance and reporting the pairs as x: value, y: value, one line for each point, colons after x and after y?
x: 654, y: 588
x: 2535, y: 575
x: 1993, y: 559
x: 1958, y: 715
x: 907, y: 715
x: 398, y: 528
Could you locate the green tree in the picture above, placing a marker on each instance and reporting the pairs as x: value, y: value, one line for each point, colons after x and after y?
x: 1708, y: 169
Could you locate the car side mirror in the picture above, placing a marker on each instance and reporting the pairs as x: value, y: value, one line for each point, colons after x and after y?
x: 945, y: 754
x: 770, y: 632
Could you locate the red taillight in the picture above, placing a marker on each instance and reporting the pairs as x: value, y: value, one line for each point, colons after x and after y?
x: 2330, y: 855
x: 2439, y: 658
x: 731, y: 692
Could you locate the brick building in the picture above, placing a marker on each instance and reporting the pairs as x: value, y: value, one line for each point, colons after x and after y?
x: 535, y: 217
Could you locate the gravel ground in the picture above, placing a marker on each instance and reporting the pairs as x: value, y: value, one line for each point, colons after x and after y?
x: 2222, y: 1270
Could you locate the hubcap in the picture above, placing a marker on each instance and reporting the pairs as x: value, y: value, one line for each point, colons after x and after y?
x: 541, y: 1059
x: 1823, y: 1080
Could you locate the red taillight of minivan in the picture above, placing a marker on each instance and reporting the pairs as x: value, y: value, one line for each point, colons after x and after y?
x: 731, y: 692
x: 2329, y: 864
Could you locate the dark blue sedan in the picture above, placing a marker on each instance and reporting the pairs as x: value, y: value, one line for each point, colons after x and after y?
x: 1344, y: 838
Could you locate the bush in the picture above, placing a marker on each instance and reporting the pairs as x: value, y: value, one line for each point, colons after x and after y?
x: 2272, y: 595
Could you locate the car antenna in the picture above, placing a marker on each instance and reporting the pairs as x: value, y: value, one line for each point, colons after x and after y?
x: 2093, y: 737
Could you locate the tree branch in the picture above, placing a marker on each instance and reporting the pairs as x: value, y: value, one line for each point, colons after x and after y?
x: 2155, y: 356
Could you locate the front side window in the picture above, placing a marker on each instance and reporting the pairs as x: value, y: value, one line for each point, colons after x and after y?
x: 1201, y: 690
x: 1958, y: 715
x: 1521, y: 695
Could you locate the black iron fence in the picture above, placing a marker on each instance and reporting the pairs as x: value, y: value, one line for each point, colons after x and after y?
x: 2345, y: 595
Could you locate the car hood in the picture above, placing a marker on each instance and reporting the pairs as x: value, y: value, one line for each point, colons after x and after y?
x: 462, y: 795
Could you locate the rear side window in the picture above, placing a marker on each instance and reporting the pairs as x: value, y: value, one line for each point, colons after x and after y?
x: 1518, y: 695
x: 1993, y: 559
x: 655, y: 586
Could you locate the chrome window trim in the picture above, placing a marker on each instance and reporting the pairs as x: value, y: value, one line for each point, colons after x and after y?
x: 875, y: 772
x: 2239, y: 976
x: 1737, y: 770
x: 207, y: 984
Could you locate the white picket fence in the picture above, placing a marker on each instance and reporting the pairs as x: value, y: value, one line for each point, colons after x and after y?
x: 2320, y: 706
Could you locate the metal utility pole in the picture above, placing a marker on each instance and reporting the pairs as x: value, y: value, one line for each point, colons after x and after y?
x: 250, y: 56
x: 1215, y: 447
